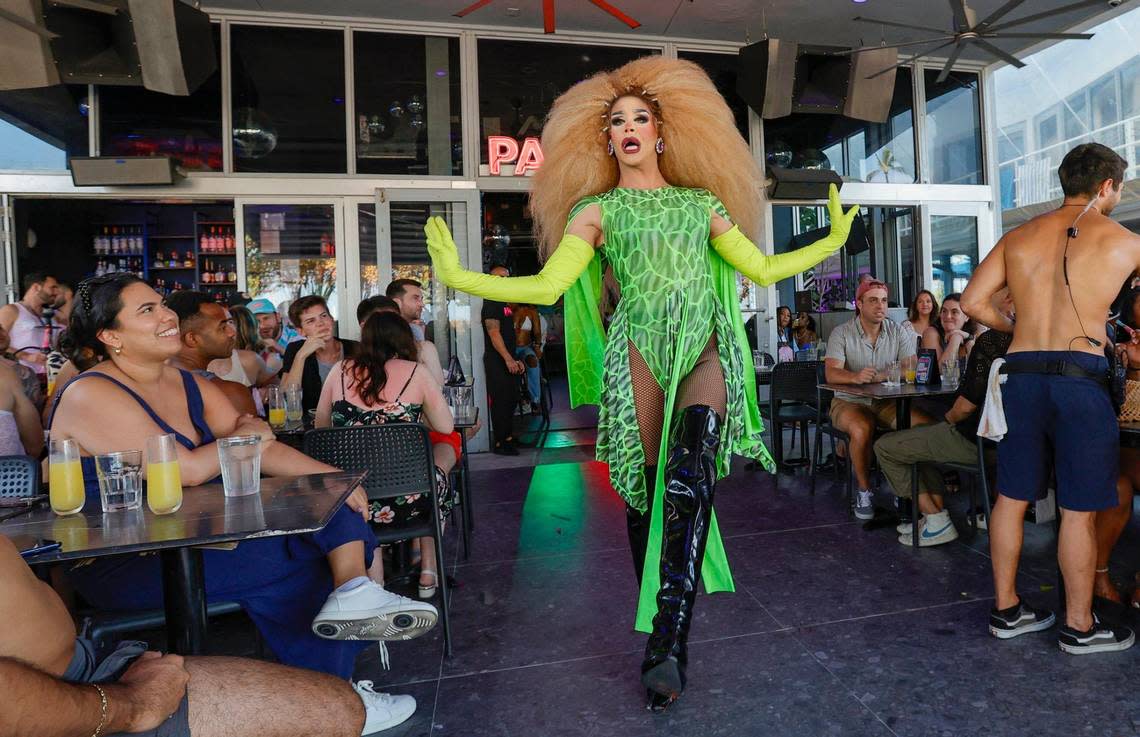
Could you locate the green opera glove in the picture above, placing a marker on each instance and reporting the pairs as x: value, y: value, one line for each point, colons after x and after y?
x: 735, y: 248
x: 561, y: 270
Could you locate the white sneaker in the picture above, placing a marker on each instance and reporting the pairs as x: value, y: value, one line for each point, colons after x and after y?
x: 371, y: 612
x: 904, y: 528
x: 382, y: 711
x: 864, y: 504
x: 933, y: 529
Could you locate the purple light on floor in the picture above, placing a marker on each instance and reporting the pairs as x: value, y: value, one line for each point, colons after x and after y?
x: 441, y: 72
x: 858, y: 2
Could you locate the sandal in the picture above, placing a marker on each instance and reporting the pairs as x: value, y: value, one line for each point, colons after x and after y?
x: 427, y: 592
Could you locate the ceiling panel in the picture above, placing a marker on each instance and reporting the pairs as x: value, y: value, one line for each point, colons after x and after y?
x: 826, y: 22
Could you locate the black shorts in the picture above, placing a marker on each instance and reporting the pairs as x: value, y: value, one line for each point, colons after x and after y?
x: 88, y: 667
x: 1063, y: 425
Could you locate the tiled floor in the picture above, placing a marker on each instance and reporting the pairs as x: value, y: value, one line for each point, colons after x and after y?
x: 833, y: 630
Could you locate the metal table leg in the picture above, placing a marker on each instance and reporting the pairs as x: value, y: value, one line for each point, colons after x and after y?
x: 468, y: 516
x: 184, y: 596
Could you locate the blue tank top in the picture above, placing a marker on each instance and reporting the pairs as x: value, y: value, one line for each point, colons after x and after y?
x: 194, y: 405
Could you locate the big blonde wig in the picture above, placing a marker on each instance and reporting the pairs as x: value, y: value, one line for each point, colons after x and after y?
x: 702, y: 146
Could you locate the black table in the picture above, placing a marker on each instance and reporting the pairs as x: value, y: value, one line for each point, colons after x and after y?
x: 902, y: 394
x: 286, y: 506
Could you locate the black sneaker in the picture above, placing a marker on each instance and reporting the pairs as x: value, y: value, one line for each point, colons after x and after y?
x: 1019, y: 619
x: 505, y: 449
x: 1100, y: 638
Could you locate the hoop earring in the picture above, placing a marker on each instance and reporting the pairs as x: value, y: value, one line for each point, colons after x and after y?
x: 609, y: 148
x: 660, y: 147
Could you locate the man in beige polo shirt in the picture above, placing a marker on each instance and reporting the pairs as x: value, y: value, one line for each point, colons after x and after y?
x: 859, y: 352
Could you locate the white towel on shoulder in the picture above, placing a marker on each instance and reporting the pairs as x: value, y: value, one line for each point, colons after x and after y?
x: 992, y: 425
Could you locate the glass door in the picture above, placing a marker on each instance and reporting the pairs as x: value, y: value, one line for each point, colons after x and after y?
x: 293, y: 248
x: 390, y: 230
x: 956, y: 236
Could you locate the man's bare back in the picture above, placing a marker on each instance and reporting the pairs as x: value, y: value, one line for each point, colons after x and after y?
x: 38, y: 628
x: 1030, y: 259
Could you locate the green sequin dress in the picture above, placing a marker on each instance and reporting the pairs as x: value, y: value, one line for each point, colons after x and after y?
x: 676, y: 292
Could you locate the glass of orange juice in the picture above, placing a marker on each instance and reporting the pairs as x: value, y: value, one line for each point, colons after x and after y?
x: 65, y: 477
x: 163, y: 476
x: 910, y: 366
x: 275, y: 403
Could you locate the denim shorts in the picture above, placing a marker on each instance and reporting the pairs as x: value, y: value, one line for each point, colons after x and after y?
x: 1062, y: 425
x: 87, y: 666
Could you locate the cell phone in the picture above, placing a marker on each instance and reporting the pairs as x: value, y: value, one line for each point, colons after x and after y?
x: 39, y: 547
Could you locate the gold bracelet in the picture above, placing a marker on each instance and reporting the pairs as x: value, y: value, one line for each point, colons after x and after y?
x: 102, y: 710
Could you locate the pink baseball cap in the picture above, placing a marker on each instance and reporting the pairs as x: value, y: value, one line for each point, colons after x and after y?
x: 868, y: 286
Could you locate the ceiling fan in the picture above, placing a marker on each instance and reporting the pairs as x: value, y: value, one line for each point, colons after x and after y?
x: 968, y: 30
x: 548, y: 13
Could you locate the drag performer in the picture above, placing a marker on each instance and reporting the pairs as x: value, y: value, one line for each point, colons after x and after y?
x: 643, y: 166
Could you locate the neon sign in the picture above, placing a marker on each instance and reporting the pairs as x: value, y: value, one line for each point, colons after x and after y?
x: 503, y: 151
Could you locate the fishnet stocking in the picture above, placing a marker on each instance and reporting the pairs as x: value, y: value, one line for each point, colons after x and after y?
x: 704, y: 385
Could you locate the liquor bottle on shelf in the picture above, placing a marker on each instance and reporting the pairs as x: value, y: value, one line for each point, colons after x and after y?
x: 229, y: 242
x: 207, y: 274
x: 203, y: 241
x: 231, y: 276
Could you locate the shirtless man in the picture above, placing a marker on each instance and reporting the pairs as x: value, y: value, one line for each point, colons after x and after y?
x: 1055, y: 398
x: 46, y: 674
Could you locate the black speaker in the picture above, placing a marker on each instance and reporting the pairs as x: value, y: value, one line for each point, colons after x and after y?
x: 163, y: 45
x: 778, y: 78
x: 765, y: 76
x: 801, y: 184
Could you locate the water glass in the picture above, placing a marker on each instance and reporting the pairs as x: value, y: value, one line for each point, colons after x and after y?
x: 120, y: 480
x: 275, y: 406
x: 65, y: 477
x: 294, y: 413
x: 163, y: 475
x: 240, y: 459
x: 894, y: 373
x: 949, y: 370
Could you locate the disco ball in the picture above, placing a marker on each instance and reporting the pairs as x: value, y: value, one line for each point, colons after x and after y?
x: 497, y: 237
x: 254, y: 136
x: 415, y: 105
x: 813, y: 158
x: 417, y: 122
x: 779, y: 154
x: 396, y: 110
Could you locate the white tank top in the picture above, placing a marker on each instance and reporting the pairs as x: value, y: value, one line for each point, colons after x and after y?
x: 237, y: 371
x: 27, y: 332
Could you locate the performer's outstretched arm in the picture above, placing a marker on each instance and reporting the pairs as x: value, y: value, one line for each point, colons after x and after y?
x: 561, y: 270
x: 735, y: 248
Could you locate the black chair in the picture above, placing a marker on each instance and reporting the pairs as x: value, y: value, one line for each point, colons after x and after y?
x: 823, y: 427
x: 19, y: 477
x: 398, y: 459
x: 976, y: 470
x: 791, y: 401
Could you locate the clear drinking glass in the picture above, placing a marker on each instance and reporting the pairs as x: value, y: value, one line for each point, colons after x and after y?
x: 240, y: 459
x: 894, y: 372
x: 65, y: 477
x: 120, y: 480
x: 275, y: 405
x: 949, y: 370
x: 294, y: 414
x: 163, y: 475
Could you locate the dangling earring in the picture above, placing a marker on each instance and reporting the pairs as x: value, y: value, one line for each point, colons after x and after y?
x: 609, y: 148
x: 660, y: 147
x: 118, y: 351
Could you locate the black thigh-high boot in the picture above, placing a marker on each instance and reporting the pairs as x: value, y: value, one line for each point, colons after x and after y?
x: 690, y: 477
x: 637, y: 524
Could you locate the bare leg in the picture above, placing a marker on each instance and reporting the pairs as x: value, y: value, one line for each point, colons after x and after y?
x: 1007, y: 519
x: 347, y: 562
x: 232, y: 697
x: 1109, y: 524
x: 929, y: 503
x: 859, y: 424
x: 1076, y: 550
